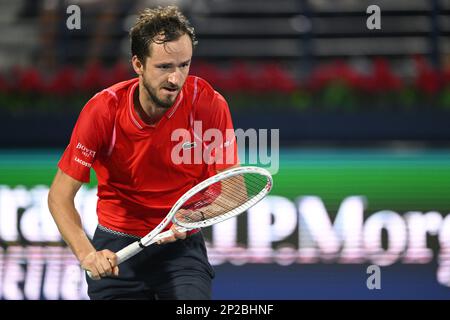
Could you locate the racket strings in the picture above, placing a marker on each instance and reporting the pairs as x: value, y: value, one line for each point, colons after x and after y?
x: 229, y: 188
x: 223, y: 197
x: 231, y: 198
x: 232, y: 192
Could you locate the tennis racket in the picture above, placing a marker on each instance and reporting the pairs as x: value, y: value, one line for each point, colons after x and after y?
x: 218, y: 198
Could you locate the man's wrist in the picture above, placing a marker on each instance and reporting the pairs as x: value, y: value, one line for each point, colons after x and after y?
x: 83, y: 253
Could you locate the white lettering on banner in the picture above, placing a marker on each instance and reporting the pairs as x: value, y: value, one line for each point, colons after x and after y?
x: 36, y: 222
x: 2, y: 263
x: 14, y: 274
x: 47, y: 273
x: 35, y: 270
x: 86, y: 204
x: 395, y: 227
x: 443, y: 274
x: 268, y: 222
x: 11, y: 201
x: 420, y: 225
x: 349, y: 226
x: 318, y: 232
x: 26, y: 211
x: 224, y: 239
x: 278, y: 231
x: 71, y: 282
x: 54, y: 260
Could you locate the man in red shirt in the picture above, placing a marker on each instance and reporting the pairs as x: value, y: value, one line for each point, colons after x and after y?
x: 130, y: 134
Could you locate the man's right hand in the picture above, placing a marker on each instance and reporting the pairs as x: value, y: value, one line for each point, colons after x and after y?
x: 100, y: 264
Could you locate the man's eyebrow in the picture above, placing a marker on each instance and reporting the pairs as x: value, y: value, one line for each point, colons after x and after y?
x: 164, y: 63
x: 171, y: 63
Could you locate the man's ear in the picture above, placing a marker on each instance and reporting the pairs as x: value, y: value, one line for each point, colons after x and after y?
x: 137, y: 65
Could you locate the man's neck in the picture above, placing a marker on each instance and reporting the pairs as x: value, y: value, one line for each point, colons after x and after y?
x: 146, y: 108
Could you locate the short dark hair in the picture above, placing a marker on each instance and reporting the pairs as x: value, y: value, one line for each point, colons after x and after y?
x: 158, y: 25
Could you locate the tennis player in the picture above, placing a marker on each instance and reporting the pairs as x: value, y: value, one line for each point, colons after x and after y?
x: 125, y: 134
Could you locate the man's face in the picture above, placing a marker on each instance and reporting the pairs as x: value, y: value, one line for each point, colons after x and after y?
x: 166, y: 70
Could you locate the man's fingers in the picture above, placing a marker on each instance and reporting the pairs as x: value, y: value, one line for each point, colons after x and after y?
x: 111, y: 256
x: 88, y: 264
x: 103, y: 268
x: 95, y: 277
x: 108, y: 262
x: 116, y: 271
x: 94, y: 274
x: 101, y: 264
x: 167, y: 240
x: 177, y: 234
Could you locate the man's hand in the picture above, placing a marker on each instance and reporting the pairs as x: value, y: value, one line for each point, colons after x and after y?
x: 176, y: 235
x: 101, y: 264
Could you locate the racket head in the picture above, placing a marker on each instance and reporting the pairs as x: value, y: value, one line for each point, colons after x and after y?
x: 222, y: 196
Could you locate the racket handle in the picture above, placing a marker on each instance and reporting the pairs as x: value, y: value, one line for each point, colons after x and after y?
x: 125, y: 254
x: 134, y: 248
x: 128, y: 252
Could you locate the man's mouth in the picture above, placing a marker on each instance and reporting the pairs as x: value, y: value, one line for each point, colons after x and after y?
x: 170, y: 89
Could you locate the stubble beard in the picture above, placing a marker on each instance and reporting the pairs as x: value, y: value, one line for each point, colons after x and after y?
x: 159, y: 103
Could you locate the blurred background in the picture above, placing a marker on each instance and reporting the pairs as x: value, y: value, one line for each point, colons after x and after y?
x: 362, y: 158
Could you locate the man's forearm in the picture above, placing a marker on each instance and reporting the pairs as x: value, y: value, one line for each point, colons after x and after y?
x: 69, y: 224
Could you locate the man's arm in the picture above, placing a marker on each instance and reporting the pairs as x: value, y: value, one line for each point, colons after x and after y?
x: 62, y: 207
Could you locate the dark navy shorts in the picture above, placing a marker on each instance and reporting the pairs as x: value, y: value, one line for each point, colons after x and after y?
x: 175, y: 271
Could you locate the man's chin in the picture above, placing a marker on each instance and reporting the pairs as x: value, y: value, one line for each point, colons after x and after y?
x: 166, y: 104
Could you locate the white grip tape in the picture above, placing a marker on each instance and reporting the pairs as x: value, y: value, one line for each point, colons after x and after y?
x: 127, y: 252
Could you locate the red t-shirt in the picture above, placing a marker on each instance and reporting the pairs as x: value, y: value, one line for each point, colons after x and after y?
x: 143, y: 169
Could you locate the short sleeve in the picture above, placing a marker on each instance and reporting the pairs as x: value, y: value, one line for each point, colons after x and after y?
x: 89, y: 138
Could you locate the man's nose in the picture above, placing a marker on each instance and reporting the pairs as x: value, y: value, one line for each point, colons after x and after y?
x: 174, y: 78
